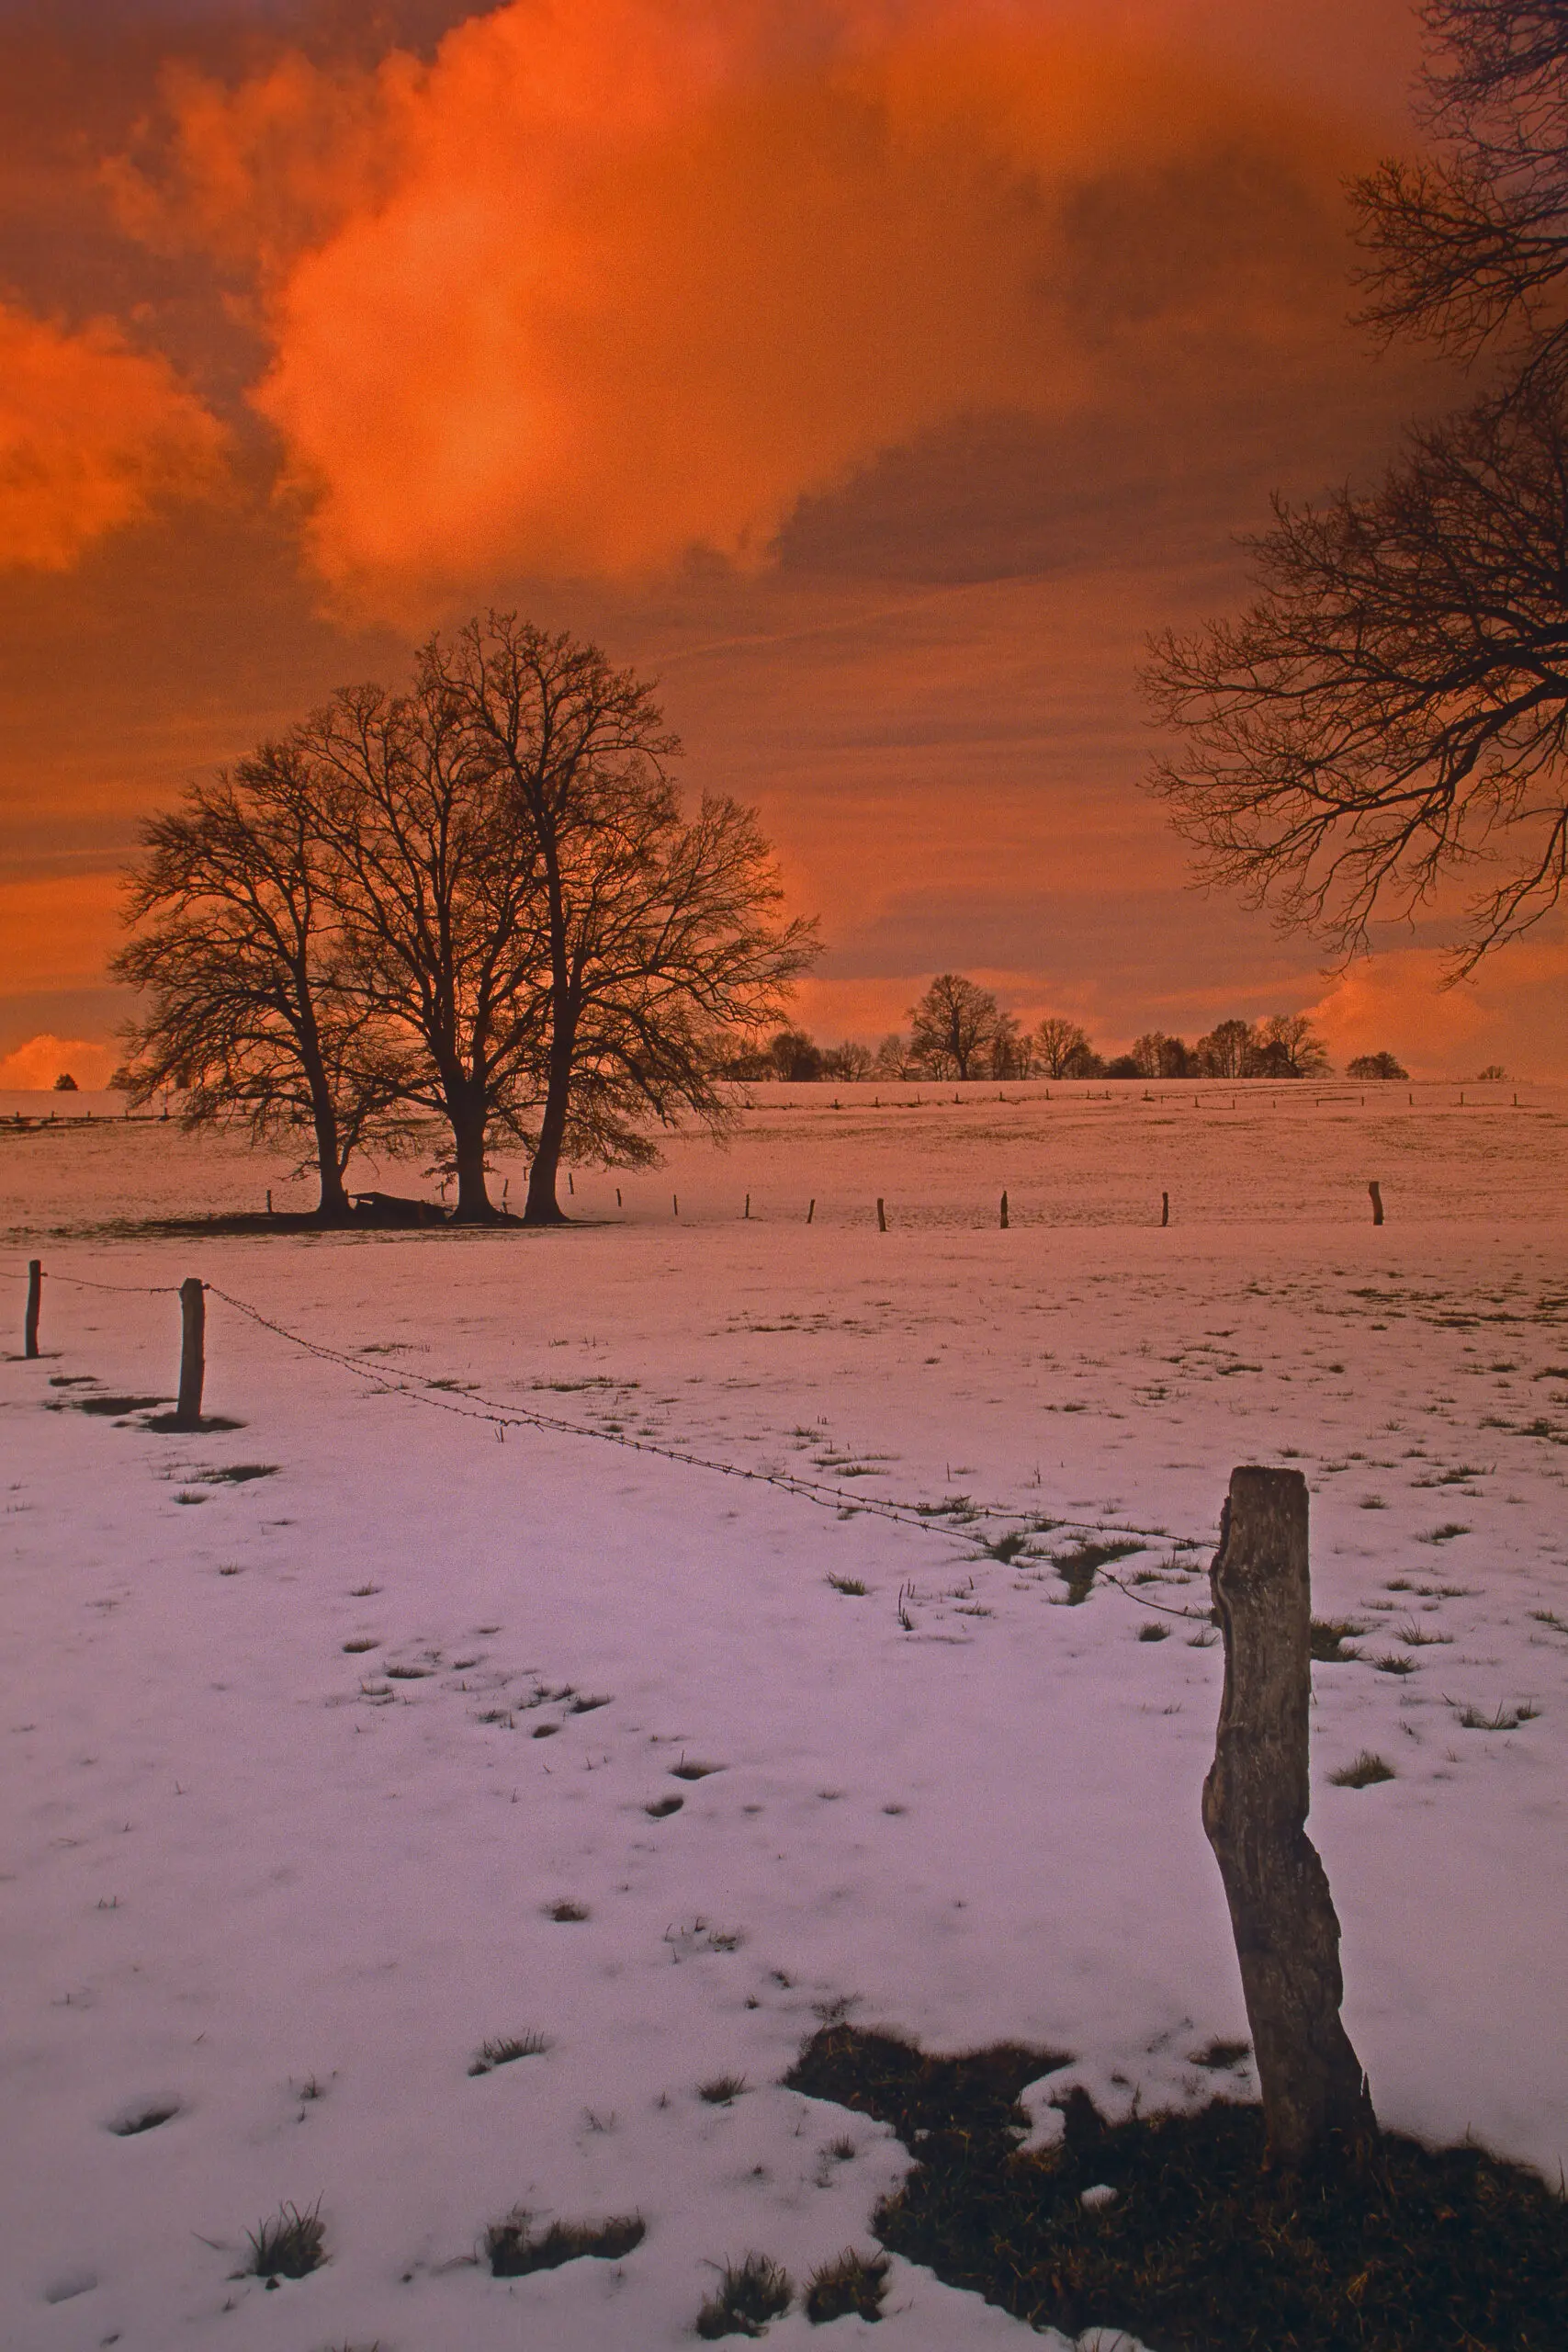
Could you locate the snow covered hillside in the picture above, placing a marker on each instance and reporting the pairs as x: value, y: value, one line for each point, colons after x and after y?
x: 451, y: 1693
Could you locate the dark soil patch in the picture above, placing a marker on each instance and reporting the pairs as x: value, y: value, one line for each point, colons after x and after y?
x: 1420, y: 2250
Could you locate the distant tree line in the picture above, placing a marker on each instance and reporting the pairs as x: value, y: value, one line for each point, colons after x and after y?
x: 960, y: 1030
x: 471, y: 911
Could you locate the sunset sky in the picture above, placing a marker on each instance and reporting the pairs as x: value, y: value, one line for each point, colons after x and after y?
x: 874, y: 373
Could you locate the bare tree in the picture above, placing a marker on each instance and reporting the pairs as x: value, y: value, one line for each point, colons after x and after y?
x: 1012, y: 1054
x: 954, y: 1024
x: 1226, y: 1051
x: 437, y: 890
x: 1378, y: 1066
x: 1469, y: 245
x: 1391, y: 710
x: 1287, y: 1046
x: 1061, y: 1048
x: 655, y: 935
x: 251, y: 1018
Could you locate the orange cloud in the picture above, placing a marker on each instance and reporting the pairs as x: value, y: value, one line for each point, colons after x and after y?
x: 43, y: 1058
x: 608, y: 282
x: 92, y: 435
x: 1510, y: 1011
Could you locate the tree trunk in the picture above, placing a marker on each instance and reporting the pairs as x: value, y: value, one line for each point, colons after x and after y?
x: 541, y: 1206
x: 469, y: 1141
x: 1315, y: 2102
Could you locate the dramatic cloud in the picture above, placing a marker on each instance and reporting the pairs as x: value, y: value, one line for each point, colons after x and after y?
x: 44, y: 1058
x: 609, y: 284
x: 93, y: 435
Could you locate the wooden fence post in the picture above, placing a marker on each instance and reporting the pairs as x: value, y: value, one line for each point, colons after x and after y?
x: 675, y: 1203
x: 1315, y: 2101
x: 1004, y: 1212
x: 811, y: 1208
x: 1376, y: 1197
x: 35, y: 1300
x: 881, y: 1217
x: 1164, y: 1208
x: 193, y: 1353
x: 748, y: 1204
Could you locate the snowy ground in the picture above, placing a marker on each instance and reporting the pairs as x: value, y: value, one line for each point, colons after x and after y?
x: 287, y: 1884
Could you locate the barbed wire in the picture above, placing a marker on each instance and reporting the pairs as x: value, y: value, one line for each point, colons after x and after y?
x: 472, y: 1406
x: 933, y: 1521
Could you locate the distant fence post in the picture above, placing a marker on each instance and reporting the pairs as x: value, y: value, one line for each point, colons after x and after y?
x: 193, y: 1353
x: 811, y: 1209
x: 1315, y: 2101
x: 881, y: 1217
x: 675, y: 1203
x: 1375, y: 1196
x: 1164, y: 1208
x: 747, y: 1209
x: 1004, y: 1212
x: 35, y: 1300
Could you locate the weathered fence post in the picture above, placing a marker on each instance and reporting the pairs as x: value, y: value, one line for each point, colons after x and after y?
x: 35, y: 1300
x: 811, y: 1208
x: 193, y: 1353
x: 1315, y: 2101
x: 748, y: 1204
x: 1164, y: 1208
x: 675, y: 1203
x: 881, y: 1217
x: 1004, y: 1212
x: 1376, y: 1197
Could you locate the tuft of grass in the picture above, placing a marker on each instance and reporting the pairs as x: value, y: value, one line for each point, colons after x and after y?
x: 1153, y: 1633
x: 1364, y: 1774
x: 505, y: 2050
x: 852, y: 1586
x: 1328, y: 1636
x: 1444, y: 1535
x: 1221, y: 2057
x: 1391, y: 1662
x: 358, y: 1648
x: 291, y: 2245
x: 568, y: 1914
x: 584, y: 1703
x: 1078, y: 1567
x: 722, y: 2090
x: 1524, y: 1711
x: 749, y: 2294
x: 513, y: 2251
x: 662, y: 1807
x: 1410, y: 2250
x: 1007, y: 1547
x: 1416, y: 1637
x: 852, y: 2283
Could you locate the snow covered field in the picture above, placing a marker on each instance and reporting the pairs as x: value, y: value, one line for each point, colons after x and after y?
x: 319, y: 1778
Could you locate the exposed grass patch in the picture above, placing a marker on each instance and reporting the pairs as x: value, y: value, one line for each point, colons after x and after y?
x: 749, y: 2294
x: 585, y: 1704
x: 291, y: 2245
x: 237, y: 1474
x: 1444, y: 1535
x: 1201, y: 2250
x: 1504, y: 1719
x: 1007, y: 1547
x: 1153, y: 1633
x: 569, y: 1913
x: 513, y: 2251
x: 852, y: 1586
x: 1365, y: 1772
x: 358, y: 1648
x: 1220, y: 2057
x: 1416, y: 1637
x: 851, y: 2282
x: 1078, y: 1567
x: 722, y: 2090
x: 1391, y: 1662
x: 686, y: 1771
x: 662, y: 1807
x: 1328, y: 1640
x: 505, y: 2050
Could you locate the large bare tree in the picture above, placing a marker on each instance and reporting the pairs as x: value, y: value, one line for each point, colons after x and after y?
x: 1388, y: 715
x: 955, y: 1024
x: 655, y: 935
x: 438, y: 891
x: 250, y: 1017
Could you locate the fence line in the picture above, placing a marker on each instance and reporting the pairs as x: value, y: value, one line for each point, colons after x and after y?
x: 474, y: 1406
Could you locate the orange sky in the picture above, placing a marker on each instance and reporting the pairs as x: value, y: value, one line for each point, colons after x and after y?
x: 876, y: 372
